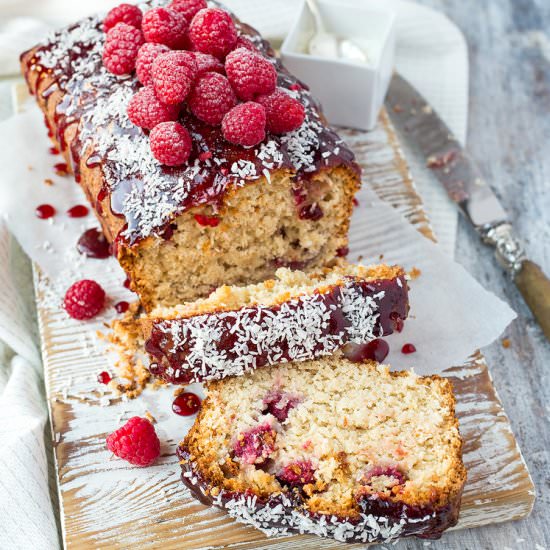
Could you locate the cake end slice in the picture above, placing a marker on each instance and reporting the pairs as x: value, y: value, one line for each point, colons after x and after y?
x: 329, y: 447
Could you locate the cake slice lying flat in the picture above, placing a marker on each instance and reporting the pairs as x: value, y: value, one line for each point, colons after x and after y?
x: 329, y: 447
x: 295, y: 317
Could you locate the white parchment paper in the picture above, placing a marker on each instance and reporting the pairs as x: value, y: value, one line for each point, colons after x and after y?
x: 451, y: 314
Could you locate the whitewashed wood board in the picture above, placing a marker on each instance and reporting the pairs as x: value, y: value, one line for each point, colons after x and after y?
x: 106, y: 503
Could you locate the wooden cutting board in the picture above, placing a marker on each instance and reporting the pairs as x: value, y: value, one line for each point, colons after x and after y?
x: 106, y: 504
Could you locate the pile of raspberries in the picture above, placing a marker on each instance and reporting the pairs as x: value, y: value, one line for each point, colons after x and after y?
x: 189, y: 56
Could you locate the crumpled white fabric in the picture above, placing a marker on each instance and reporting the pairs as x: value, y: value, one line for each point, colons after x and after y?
x: 431, y: 53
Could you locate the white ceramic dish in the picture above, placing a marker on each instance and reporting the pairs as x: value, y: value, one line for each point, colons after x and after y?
x: 351, y: 92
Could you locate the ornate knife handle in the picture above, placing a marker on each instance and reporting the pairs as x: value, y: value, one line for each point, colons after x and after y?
x: 509, y: 250
x: 531, y: 281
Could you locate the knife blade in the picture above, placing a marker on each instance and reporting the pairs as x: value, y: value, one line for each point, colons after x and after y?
x: 428, y: 136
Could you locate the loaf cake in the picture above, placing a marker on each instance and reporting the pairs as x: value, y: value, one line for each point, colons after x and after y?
x: 294, y: 317
x: 329, y: 447
x: 230, y: 215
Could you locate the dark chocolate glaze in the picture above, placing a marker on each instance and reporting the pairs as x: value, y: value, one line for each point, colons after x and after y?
x: 75, y: 65
x: 173, y: 348
x: 426, y: 521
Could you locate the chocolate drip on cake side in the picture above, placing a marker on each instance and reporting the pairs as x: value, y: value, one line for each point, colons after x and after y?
x: 381, y: 519
x: 144, y: 194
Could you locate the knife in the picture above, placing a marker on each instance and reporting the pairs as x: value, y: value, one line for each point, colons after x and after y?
x: 428, y: 136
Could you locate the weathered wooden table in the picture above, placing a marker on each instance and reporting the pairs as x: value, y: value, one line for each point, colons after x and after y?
x: 509, y: 136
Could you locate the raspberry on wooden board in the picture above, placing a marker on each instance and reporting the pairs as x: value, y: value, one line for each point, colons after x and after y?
x: 84, y: 299
x: 136, y: 442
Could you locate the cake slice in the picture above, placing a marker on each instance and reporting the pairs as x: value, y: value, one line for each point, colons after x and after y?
x: 329, y: 447
x: 295, y: 317
x: 231, y: 214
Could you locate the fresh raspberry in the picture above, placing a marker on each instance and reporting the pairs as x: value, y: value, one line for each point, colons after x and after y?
x: 297, y: 473
x: 84, y: 299
x: 165, y: 26
x: 243, y: 42
x: 255, y: 445
x: 123, y: 13
x: 173, y: 74
x: 245, y: 124
x: 211, y: 98
x: 170, y: 143
x: 284, y: 113
x: 188, y: 8
x: 146, y: 111
x: 213, y: 31
x: 145, y: 57
x: 208, y: 63
x: 136, y: 442
x: 121, y: 48
x: 250, y: 73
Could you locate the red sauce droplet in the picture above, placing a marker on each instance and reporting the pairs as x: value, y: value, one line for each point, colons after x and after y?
x: 355, y: 202
x: 186, y: 404
x: 376, y: 350
x: 126, y: 282
x: 342, y: 252
x: 78, y: 211
x: 398, y: 323
x: 61, y: 169
x: 54, y: 151
x: 45, y: 211
x: 93, y: 244
x: 205, y: 155
x: 104, y: 377
x: 122, y: 307
x: 207, y: 221
x: 408, y: 348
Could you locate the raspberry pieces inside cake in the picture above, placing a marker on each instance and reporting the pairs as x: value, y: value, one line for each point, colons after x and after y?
x: 332, y: 448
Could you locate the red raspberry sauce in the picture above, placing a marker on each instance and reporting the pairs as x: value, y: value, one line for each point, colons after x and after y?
x: 186, y: 404
x: 122, y: 307
x: 408, y: 348
x: 78, y: 211
x: 104, y: 377
x: 93, y: 244
x: 45, y: 211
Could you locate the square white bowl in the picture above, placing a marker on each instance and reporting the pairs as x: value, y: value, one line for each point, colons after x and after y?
x: 350, y: 92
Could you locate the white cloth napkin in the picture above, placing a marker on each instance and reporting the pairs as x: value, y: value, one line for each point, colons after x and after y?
x: 430, y: 52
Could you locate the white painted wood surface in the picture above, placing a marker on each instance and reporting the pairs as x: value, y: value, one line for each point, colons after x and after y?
x: 106, y: 504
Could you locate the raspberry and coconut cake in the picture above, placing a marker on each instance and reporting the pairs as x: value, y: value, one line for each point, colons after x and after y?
x: 205, y: 161
x: 295, y: 317
x: 329, y: 447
